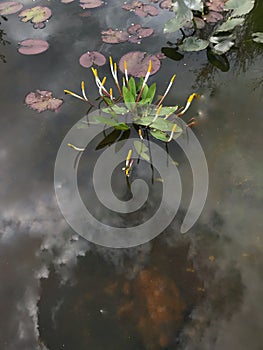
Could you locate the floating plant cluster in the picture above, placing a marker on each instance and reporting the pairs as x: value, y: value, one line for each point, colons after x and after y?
x: 138, y: 99
x: 42, y: 100
x: 133, y: 34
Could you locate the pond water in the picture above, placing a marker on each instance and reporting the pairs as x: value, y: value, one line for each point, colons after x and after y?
x: 201, y: 290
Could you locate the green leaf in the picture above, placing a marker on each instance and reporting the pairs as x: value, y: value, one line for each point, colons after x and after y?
x: 139, y: 84
x: 108, y: 121
x: 151, y: 93
x: 194, y: 44
x: 115, y: 108
x: 108, y: 101
x: 109, y: 139
x: 168, y: 110
x: 240, y: 7
x: 128, y: 97
x: 229, y: 25
x: 132, y: 87
x: 141, y: 149
x: 145, y: 92
x: 160, y: 124
x: 159, y: 135
x: 223, y: 47
x: 258, y: 37
x: 182, y: 16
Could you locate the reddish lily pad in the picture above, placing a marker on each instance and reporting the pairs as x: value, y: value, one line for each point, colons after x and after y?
x: 41, y: 101
x: 213, y: 17
x: 90, y: 4
x: 33, y: 46
x: 35, y: 14
x: 138, y: 62
x: 137, y: 32
x: 141, y: 9
x: 111, y: 36
x: 216, y: 5
x: 166, y: 5
x: 200, y: 24
x: 92, y: 57
x: 10, y: 7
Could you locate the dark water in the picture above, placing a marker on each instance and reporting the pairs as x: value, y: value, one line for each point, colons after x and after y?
x: 60, y: 292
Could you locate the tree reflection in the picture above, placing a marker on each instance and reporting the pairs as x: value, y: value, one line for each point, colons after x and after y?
x: 3, y: 41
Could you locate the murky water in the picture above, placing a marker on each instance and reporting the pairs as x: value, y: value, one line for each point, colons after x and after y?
x: 202, y: 290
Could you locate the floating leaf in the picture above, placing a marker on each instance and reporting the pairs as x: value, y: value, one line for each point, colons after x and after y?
x: 10, y: 7
x: 182, y: 16
x: 138, y: 32
x: 141, y: 9
x: 218, y: 61
x: 166, y: 4
x: 200, y: 24
x: 90, y: 4
x: 223, y: 46
x: 92, y: 57
x: 229, y: 25
x: 35, y: 14
x: 33, y: 46
x: 159, y: 135
x: 216, y: 5
x: 171, y: 52
x: 41, y: 101
x: 258, y: 37
x: 111, y: 36
x: 138, y: 62
x: 66, y: 1
x: 240, y: 7
x: 108, y: 121
x: 194, y: 44
x: 141, y: 149
x: 213, y: 17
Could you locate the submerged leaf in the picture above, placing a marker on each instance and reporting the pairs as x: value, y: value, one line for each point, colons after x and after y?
x: 35, y: 14
x: 92, y: 57
x: 218, y: 61
x: 109, y: 139
x: 138, y: 62
x: 33, y: 46
x: 141, y: 149
x: 111, y: 122
x: 171, y: 52
x: 10, y: 7
x: 41, y: 101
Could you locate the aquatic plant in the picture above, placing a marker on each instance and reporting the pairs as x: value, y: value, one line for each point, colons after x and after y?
x: 137, y: 98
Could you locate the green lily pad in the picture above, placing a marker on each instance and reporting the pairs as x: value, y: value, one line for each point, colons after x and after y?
x: 194, y: 44
x: 35, y: 14
x: 240, y: 7
x: 229, y: 25
x: 258, y: 37
x: 182, y: 16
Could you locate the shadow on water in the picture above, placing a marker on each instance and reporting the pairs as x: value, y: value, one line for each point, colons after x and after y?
x: 198, y: 291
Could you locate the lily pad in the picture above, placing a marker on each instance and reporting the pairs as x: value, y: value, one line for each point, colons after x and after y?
x: 216, y: 5
x: 166, y: 5
x: 92, y: 57
x: 194, y: 44
x: 213, y: 17
x: 229, y: 25
x: 90, y: 4
x: 112, y: 36
x: 10, y: 7
x: 138, y: 62
x: 239, y: 7
x: 183, y: 15
x: 141, y: 9
x: 41, y: 101
x: 35, y: 14
x: 138, y: 32
x: 33, y: 46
